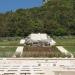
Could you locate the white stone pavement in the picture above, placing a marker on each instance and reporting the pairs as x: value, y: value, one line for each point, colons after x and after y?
x: 37, y: 66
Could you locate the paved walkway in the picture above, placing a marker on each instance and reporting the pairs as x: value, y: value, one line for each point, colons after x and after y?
x: 37, y: 66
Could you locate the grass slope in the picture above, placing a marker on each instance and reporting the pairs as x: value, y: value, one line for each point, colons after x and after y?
x: 7, y: 51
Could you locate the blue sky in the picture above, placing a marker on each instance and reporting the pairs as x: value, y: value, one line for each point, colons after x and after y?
x: 7, y: 5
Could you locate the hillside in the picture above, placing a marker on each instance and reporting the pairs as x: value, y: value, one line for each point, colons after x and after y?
x: 56, y: 17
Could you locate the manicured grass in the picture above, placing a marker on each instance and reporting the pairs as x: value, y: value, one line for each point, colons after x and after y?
x: 7, y: 51
x: 65, y: 41
x: 9, y: 43
x: 70, y: 49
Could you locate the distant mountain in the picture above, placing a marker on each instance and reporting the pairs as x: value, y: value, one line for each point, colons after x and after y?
x: 56, y: 17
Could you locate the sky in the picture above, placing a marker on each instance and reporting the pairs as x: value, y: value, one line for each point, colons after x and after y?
x: 8, y: 5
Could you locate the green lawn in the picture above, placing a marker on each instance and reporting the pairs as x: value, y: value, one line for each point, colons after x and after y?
x: 8, y: 46
x: 9, y: 43
x: 70, y: 49
x: 65, y: 41
x: 7, y: 51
